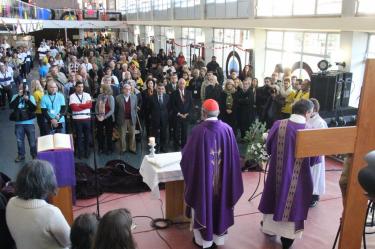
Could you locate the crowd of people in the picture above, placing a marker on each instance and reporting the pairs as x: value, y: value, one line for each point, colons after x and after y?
x: 125, y: 88
x: 121, y: 89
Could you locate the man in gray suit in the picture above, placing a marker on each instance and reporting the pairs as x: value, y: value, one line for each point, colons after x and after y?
x: 126, y: 116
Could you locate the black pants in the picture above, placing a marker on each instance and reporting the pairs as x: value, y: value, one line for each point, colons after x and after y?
x: 104, y: 134
x: 6, y: 92
x: 42, y: 124
x: 82, y: 129
x: 181, y: 132
x: 160, y: 133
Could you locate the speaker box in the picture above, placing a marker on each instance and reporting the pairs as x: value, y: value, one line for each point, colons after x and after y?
x: 346, y: 89
x: 327, y: 89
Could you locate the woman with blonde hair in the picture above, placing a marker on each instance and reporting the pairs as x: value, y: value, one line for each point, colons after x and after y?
x: 37, y: 91
x: 105, y: 107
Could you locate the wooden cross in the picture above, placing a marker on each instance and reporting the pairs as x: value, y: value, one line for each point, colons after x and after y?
x: 358, y: 140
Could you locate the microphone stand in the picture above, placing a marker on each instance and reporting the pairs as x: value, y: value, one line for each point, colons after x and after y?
x: 92, y: 123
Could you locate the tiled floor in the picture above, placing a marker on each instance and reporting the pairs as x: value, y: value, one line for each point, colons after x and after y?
x: 320, y: 229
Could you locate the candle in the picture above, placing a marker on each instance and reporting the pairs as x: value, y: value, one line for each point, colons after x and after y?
x: 151, y: 140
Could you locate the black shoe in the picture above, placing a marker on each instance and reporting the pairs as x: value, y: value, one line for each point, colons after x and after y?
x: 211, y: 247
x: 19, y: 159
x: 287, y: 243
x: 313, y: 204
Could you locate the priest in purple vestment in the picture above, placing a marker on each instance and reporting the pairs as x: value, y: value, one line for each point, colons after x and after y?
x: 212, y: 175
x: 288, y: 189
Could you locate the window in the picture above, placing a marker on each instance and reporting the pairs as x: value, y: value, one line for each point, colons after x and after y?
x: 371, y: 47
x: 229, y: 41
x: 191, y: 36
x: 365, y: 7
x: 121, y: 5
x: 327, y: 7
x: 269, y: 8
x: 292, y: 49
x: 144, y: 5
x: 162, y: 4
x: 186, y: 3
x: 131, y: 6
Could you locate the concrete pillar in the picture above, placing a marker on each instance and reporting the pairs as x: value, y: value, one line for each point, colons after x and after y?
x: 158, y: 39
x: 131, y: 33
x: 178, y: 38
x: 348, y: 8
x: 209, y: 37
x: 259, y: 37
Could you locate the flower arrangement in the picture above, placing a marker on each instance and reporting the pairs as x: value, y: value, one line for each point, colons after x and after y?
x: 256, y: 148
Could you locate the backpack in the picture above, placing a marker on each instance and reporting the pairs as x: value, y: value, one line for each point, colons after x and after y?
x: 119, y: 177
x: 85, y: 177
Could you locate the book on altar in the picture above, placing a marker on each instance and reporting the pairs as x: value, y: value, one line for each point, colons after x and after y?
x: 54, y: 142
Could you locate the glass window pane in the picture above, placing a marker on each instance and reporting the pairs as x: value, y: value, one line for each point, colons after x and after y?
x: 329, y: 7
x: 282, y: 7
x: 238, y: 34
x: 333, y: 43
x: 312, y: 61
x: 264, y: 7
x: 272, y: 58
x: 289, y: 59
x: 314, y: 43
x: 218, y: 52
x: 229, y: 36
x: 185, y: 33
x: 366, y: 7
x: 305, y: 7
x: 218, y: 35
x: 274, y: 39
x: 293, y: 41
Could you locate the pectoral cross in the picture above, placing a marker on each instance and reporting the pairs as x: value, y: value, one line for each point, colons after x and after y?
x: 358, y: 140
x: 216, y: 163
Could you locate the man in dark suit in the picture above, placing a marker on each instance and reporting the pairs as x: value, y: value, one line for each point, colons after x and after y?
x: 181, y: 103
x: 170, y: 88
x: 159, y: 116
x: 126, y: 116
x: 172, y: 85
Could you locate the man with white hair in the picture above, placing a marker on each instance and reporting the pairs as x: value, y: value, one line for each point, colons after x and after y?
x: 212, y: 175
x: 169, y: 67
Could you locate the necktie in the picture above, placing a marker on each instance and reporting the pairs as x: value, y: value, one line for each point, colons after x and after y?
x: 160, y: 99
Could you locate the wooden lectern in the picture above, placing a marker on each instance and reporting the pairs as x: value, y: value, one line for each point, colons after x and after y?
x: 62, y: 161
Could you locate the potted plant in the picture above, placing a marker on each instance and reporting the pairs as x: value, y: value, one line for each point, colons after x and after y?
x: 256, y: 153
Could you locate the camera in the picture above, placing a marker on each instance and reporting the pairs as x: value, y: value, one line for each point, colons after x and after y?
x: 25, y: 88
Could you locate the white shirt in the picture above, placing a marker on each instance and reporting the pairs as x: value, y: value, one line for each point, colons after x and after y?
x: 80, y: 99
x: 88, y: 66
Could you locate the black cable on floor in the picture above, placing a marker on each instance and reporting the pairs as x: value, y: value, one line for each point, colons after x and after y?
x: 102, y: 201
x: 157, y: 224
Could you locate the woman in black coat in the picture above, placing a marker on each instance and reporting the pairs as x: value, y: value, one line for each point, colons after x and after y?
x: 245, y: 107
x: 228, y: 105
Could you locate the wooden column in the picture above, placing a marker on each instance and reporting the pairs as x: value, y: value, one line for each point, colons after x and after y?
x: 358, y: 140
x: 174, y: 200
x: 356, y: 203
x: 63, y: 200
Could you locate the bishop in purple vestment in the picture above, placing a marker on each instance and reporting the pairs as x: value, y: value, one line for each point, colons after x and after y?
x: 288, y: 190
x: 212, y: 174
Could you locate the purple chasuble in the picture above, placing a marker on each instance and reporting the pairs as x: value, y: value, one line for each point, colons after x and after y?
x: 212, y: 175
x: 288, y: 190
